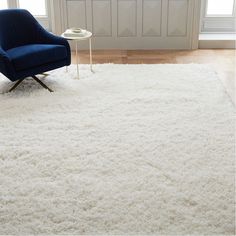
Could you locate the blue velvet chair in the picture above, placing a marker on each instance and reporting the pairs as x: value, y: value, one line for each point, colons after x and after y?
x: 27, y: 49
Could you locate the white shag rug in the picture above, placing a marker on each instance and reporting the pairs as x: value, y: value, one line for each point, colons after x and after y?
x: 130, y: 149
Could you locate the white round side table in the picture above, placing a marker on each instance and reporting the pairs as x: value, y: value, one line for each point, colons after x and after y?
x: 87, y: 36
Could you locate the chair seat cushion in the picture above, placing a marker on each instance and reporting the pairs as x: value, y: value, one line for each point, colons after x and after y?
x: 33, y: 55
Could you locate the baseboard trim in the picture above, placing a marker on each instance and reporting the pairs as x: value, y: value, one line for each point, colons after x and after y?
x: 215, y: 41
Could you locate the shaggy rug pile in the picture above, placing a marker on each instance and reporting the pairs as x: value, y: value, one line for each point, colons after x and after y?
x: 130, y: 149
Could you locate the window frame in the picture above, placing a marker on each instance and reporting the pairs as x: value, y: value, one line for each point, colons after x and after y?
x: 217, y: 23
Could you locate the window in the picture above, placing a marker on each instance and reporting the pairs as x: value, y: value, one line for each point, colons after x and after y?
x: 3, y: 4
x: 37, y: 8
x: 220, y: 8
x: 218, y: 16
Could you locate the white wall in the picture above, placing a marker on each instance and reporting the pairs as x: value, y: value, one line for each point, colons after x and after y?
x: 132, y: 24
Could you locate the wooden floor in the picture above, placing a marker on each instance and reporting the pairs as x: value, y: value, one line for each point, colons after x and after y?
x: 223, y: 61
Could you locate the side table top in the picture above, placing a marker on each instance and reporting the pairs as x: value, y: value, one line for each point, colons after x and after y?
x: 87, y: 35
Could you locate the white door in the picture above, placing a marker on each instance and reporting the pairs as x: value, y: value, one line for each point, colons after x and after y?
x: 134, y: 24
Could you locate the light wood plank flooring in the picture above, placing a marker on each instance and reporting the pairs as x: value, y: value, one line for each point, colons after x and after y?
x: 223, y: 61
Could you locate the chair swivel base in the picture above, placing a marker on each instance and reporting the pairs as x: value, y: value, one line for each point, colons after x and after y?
x: 36, y: 79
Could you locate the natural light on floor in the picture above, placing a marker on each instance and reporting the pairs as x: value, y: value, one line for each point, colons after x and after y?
x: 219, y: 7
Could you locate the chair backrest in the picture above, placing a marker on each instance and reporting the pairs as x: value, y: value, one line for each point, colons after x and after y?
x: 17, y: 27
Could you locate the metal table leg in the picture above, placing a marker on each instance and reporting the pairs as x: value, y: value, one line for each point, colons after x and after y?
x: 90, y: 54
x: 77, y: 57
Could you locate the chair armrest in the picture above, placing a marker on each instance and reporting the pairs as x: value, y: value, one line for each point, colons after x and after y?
x: 3, y: 56
x: 43, y: 36
x: 49, y: 38
x: 6, y: 66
